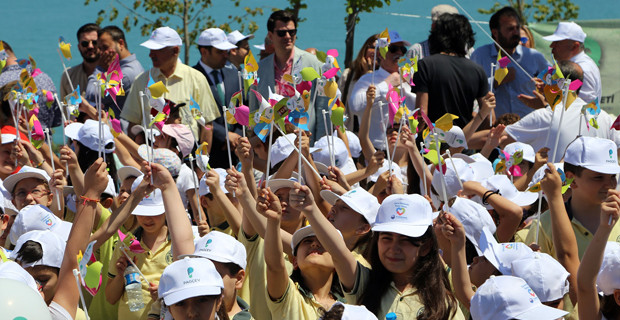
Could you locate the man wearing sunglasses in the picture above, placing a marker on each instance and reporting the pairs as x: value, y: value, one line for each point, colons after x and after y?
x: 505, y: 27
x: 288, y: 59
x: 87, y: 45
x: 381, y: 79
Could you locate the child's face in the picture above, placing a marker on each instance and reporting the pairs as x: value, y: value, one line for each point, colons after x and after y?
x: 310, y: 252
x: 397, y: 252
x: 152, y: 224
x: 31, y: 191
x: 345, y: 219
x: 47, y: 277
x: 125, y: 190
x: 592, y: 186
x: 290, y: 215
x: 202, y: 307
x: 480, y: 270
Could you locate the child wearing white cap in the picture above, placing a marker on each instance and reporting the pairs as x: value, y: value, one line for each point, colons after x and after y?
x: 229, y: 257
x: 404, y: 256
x: 499, y: 297
x: 192, y: 288
x: 219, y: 204
x: 593, y: 164
x: 353, y: 214
x: 312, y: 286
x: 31, y: 186
x: 600, y: 267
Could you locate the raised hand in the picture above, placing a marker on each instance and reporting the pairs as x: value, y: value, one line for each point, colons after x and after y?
x: 371, y: 93
x: 58, y: 180
x: 162, y: 178
x: 300, y: 198
x: 452, y: 229
x: 375, y: 162
x: 213, y: 181
x: 235, y: 182
x: 67, y: 155
x: 552, y: 182
x: 244, y: 152
x: 97, y: 176
x: 269, y: 205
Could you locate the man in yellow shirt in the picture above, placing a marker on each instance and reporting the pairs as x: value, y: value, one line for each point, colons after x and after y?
x: 182, y: 82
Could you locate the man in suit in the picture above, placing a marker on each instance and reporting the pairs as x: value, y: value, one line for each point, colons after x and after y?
x: 282, y: 31
x: 224, y: 82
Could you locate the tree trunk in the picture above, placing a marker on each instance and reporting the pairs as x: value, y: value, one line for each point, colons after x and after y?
x: 186, y: 31
x: 350, y: 24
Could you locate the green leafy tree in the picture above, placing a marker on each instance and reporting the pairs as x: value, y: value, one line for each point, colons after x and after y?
x: 552, y: 10
x: 295, y: 6
x: 354, y: 8
x: 188, y: 17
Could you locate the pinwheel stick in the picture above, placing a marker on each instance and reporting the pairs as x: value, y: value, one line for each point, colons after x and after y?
x: 49, y: 144
x: 374, y: 62
x: 124, y: 250
x: 269, y: 151
x: 296, y: 149
x: 385, y: 136
x: 458, y: 178
x: 78, y: 281
x: 557, y: 137
x: 194, y: 178
x: 64, y: 67
x: 424, y: 170
x: 227, y: 139
x: 439, y: 167
x: 299, y: 168
x: 538, y: 214
x: 27, y: 124
x: 149, y: 149
x: 493, y: 70
x: 241, y: 99
x: 329, y: 145
x: 400, y: 127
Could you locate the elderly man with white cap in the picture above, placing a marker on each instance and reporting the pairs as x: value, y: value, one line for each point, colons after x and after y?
x: 237, y: 55
x: 567, y: 44
x: 224, y: 82
x: 182, y: 82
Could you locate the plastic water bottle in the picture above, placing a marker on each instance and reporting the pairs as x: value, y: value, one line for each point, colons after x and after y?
x: 133, y: 288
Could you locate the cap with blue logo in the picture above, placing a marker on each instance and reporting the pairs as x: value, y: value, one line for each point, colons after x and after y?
x: 406, y: 214
x: 189, y: 278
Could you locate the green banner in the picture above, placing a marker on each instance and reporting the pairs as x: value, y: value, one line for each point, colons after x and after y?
x: 602, y: 45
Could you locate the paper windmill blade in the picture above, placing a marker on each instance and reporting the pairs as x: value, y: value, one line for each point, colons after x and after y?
x: 65, y: 48
x: 337, y: 115
x: 445, y: 122
x: 74, y: 98
x: 330, y: 68
x: 37, y: 132
x: 502, y: 71
x: 27, y: 82
x: 383, y: 42
x: 202, y: 157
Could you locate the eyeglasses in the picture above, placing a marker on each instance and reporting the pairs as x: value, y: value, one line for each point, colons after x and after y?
x: 282, y: 33
x: 85, y: 43
x: 394, y: 49
x: 36, y: 193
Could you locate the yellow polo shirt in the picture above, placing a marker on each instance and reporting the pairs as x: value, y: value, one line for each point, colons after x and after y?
x: 151, y: 264
x: 583, y: 235
x: 296, y: 303
x: 184, y: 83
x: 404, y: 304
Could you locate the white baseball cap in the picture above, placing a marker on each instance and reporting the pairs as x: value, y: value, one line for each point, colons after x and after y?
x: 203, y: 189
x: 358, y: 199
x: 406, y: 214
x: 528, y: 151
x: 567, y: 31
x: 474, y: 218
x: 282, y: 149
x: 215, y: 37
x: 220, y: 247
x: 236, y: 36
x: 540, y: 173
x: 464, y: 172
x: 87, y: 133
x: 126, y: 172
x: 110, y: 189
x: 188, y: 278
x: 385, y: 167
x: 501, y: 255
x: 508, y: 297
x: 354, y: 312
x: 502, y: 184
x: 608, y: 279
x: 38, y: 217
x: 24, y: 173
x: 152, y: 204
x: 354, y: 143
x: 596, y: 154
x: 395, y: 37
x: 137, y: 129
x: 303, y: 233
x: 545, y: 275
x: 441, y: 9
x: 276, y: 184
x: 341, y: 153
x: 52, y: 246
x: 163, y: 37
x: 12, y: 270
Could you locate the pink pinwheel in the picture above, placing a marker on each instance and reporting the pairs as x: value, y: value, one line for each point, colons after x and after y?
x: 134, y: 245
x: 394, y: 100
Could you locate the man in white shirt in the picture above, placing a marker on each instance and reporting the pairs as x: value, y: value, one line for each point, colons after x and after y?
x: 386, y: 74
x: 567, y: 44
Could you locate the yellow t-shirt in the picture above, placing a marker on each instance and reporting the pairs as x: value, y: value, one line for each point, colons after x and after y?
x: 294, y: 304
x: 184, y: 83
x: 151, y: 264
x: 404, y: 304
x: 224, y: 227
x: 545, y: 238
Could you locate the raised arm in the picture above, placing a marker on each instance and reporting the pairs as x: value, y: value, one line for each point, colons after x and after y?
x: 67, y: 294
x: 245, y: 153
x: 564, y: 240
x: 589, y: 306
x: 453, y: 230
x: 277, y: 277
x: 487, y: 104
x: 419, y: 165
x: 230, y: 211
x: 367, y: 148
x: 541, y: 158
x: 346, y: 266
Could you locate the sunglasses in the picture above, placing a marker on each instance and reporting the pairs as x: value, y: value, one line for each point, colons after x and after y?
x: 395, y: 49
x: 85, y: 43
x: 282, y: 33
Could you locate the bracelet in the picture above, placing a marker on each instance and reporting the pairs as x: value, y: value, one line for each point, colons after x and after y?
x: 40, y: 164
x: 488, y: 194
x: 88, y: 200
